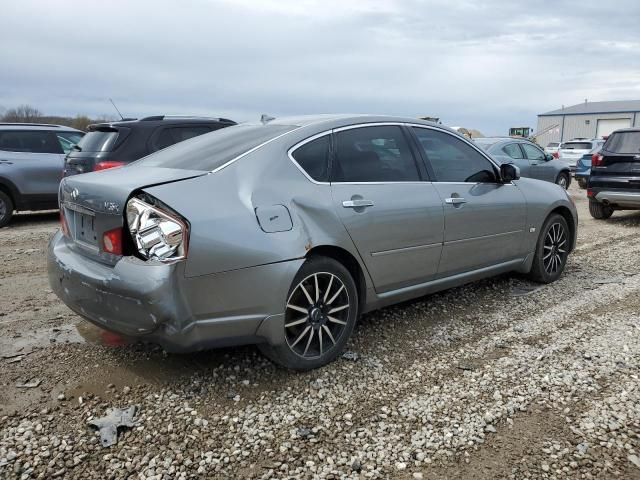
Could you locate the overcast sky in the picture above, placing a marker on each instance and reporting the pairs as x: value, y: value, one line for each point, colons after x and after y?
x: 485, y: 64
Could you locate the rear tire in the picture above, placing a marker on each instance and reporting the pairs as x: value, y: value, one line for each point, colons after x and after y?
x: 320, y: 312
x: 552, y: 250
x: 6, y: 209
x: 599, y: 211
x: 564, y: 180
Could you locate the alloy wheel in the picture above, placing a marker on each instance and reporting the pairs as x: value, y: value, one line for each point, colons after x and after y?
x: 555, y: 249
x: 562, y: 181
x: 316, y: 315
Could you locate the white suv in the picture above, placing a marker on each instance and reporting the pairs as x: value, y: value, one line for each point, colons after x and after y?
x: 573, y: 150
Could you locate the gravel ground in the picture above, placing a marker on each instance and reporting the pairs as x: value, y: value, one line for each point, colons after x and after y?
x: 493, y: 380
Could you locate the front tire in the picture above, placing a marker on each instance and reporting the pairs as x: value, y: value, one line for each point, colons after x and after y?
x: 564, y: 180
x: 552, y: 250
x: 320, y: 313
x: 6, y: 209
x: 599, y: 211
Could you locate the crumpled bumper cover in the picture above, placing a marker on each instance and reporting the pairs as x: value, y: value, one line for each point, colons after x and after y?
x: 152, y: 301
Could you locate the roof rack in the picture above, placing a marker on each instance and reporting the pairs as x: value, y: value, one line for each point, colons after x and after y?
x: 153, y: 118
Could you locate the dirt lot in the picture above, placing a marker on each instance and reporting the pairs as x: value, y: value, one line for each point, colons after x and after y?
x: 491, y: 380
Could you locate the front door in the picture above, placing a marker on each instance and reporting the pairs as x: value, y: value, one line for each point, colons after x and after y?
x: 484, y: 219
x: 538, y: 163
x: 394, y: 216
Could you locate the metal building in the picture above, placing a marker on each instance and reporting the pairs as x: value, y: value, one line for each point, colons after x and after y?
x: 587, y: 120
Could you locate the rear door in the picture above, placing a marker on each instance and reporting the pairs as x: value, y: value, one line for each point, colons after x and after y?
x: 33, y: 160
x: 484, y: 219
x: 392, y: 212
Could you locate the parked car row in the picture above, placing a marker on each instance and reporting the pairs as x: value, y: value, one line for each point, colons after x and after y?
x: 34, y: 157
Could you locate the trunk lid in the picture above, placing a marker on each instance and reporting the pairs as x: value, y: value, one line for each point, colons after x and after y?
x: 94, y: 203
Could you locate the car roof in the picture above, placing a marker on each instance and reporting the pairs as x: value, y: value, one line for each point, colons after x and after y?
x: 37, y: 127
x: 344, y: 119
x: 632, y: 129
x: 497, y: 140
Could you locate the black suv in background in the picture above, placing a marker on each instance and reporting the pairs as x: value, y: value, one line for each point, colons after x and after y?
x: 614, y: 183
x: 108, y: 145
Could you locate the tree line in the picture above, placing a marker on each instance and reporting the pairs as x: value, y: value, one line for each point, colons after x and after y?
x: 29, y: 114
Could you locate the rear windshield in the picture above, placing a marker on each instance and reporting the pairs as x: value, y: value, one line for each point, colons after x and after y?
x: 212, y: 150
x: 623, y: 142
x: 485, y: 143
x: 553, y: 145
x: 577, y: 146
x: 98, y: 141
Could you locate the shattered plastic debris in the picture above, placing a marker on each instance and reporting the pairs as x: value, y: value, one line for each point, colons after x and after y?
x: 108, y: 425
x: 349, y: 355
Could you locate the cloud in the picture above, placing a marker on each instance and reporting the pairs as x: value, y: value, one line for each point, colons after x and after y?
x: 486, y: 65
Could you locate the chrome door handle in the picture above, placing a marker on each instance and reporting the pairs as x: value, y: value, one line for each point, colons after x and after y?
x: 455, y: 200
x: 357, y: 203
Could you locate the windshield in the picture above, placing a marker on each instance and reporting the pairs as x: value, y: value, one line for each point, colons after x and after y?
x: 98, y: 141
x: 624, y: 142
x: 212, y: 150
x: 577, y: 146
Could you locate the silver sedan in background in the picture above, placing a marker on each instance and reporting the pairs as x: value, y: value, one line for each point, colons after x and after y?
x: 532, y: 161
x: 282, y: 233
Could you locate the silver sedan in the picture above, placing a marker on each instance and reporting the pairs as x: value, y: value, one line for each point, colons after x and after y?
x: 282, y: 233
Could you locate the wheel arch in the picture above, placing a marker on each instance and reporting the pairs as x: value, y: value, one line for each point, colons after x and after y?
x: 10, y: 189
x: 350, y: 262
x: 568, y: 216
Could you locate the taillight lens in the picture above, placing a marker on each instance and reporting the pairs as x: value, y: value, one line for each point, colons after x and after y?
x: 556, y: 155
x: 109, y: 164
x: 157, y: 234
x: 596, y: 160
x: 590, y: 193
x: 112, y: 241
x: 64, y: 226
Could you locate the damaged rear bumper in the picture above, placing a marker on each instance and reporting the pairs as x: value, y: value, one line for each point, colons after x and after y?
x: 156, y: 303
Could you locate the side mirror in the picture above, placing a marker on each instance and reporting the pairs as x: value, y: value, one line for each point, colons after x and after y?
x: 509, y: 172
x: 548, y: 157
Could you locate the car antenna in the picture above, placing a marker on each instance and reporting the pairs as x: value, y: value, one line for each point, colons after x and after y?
x: 266, y: 118
x: 114, y: 106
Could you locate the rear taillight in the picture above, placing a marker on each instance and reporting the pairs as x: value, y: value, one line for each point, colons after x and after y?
x: 157, y: 233
x: 112, y: 241
x: 596, y: 160
x: 108, y: 164
x: 64, y: 226
x: 556, y: 155
x: 590, y: 193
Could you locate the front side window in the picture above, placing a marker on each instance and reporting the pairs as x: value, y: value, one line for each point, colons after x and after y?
x: 452, y: 159
x: 532, y: 152
x: 172, y: 135
x: 513, y: 150
x: 374, y: 154
x: 29, y: 142
x: 313, y: 158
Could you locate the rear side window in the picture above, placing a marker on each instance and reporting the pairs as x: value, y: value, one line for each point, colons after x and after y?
x: 313, y: 158
x: 171, y: 135
x: 29, y: 142
x: 452, y: 159
x: 211, y: 151
x: 623, y: 142
x: 98, y: 141
x: 374, y: 154
x: 68, y: 140
x: 577, y: 146
x: 513, y: 150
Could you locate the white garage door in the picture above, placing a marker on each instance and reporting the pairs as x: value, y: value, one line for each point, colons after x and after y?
x: 608, y: 125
